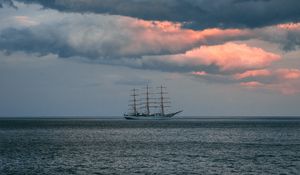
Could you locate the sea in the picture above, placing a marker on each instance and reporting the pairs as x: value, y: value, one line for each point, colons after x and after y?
x: 237, y: 145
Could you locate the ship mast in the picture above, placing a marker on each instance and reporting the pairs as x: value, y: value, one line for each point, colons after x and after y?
x: 134, y: 95
x: 162, y: 101
x: 147, y: 100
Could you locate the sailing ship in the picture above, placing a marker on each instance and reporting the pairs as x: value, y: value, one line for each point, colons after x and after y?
x: 141, y: 108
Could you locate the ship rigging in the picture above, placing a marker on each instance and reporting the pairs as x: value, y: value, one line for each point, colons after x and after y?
x: 143, y: 104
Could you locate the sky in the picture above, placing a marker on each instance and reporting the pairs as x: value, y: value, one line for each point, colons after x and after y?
x: 216, y: 58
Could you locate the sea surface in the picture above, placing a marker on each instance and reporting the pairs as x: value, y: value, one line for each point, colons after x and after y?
x: 179, y: 146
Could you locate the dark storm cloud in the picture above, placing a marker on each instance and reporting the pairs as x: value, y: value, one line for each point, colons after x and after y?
x: 195, y: 13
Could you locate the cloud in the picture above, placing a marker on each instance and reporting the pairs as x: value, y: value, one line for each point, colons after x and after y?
x: 211, y: 54
x: 196, y: 14
x: 231, y: 56
x: 253, y: 73
x: 7, y: 3
x: 285, y: 80
x: 285, y: 34
x: 288, y: 73
x: 279, y: 74
x: 25, y: 20
x: 118, y: 40
x: 289, y: 26
x: 251, y: 84
x: 228, y: 57
x: 102, y: 37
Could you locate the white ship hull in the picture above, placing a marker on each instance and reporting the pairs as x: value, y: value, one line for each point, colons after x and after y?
x: 147, y: 118
x: 151, y: 117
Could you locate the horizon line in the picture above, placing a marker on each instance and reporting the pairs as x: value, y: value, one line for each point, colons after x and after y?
x: 177, y: 117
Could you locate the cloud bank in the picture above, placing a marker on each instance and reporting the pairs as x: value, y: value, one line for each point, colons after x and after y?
x: 195, y: 13
x: 152, y: 38
x: 106, y: 37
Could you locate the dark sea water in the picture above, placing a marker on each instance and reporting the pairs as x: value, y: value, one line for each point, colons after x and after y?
x: 180, y: 146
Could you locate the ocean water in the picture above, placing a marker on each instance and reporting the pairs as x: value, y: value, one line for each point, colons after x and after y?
x: 180, y: 146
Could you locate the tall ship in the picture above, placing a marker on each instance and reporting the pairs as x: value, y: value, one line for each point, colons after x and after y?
x: 149, y: 105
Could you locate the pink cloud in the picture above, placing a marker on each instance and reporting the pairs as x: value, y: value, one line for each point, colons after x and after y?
x: 253, y: 73
x: 287, y: 81
x: 288, y: 73
x: 290, y: 90
x: 162, y: 36
x: 199, y: 73
x: 231, y: 56
x: 279, y: 74
x: 251, y: 84
x: 217, y: 33
x: 228, y: 57
x: 284, y: 88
